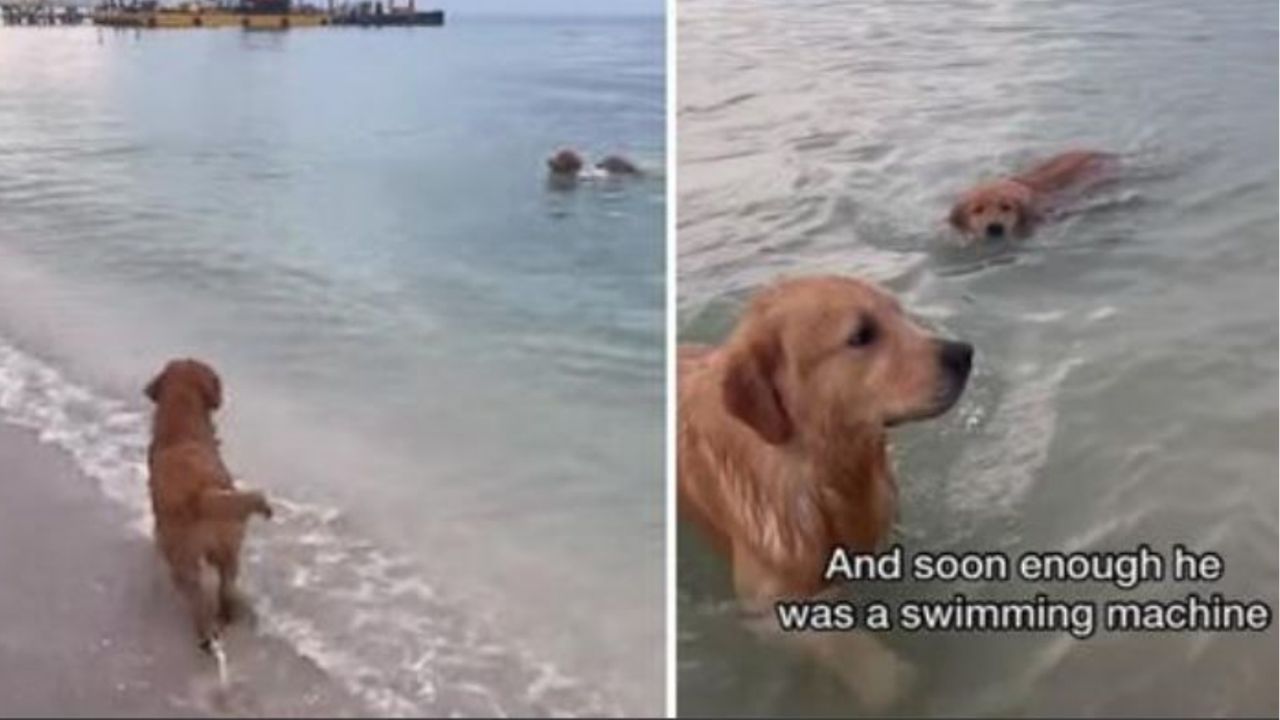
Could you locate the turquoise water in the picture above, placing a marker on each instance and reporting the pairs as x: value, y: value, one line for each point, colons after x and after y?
x: 441, y: 360
x: 1125, y: 380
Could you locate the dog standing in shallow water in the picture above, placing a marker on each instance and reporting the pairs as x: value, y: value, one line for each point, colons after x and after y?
x: 1013, y: 206
x: 199, y: 515
x: 783, y: 450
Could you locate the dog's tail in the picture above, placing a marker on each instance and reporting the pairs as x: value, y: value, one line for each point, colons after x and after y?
x: 223, y: 504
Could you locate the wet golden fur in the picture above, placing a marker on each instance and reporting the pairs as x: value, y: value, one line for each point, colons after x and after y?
x: 782, y: 429
x: 782, y: 448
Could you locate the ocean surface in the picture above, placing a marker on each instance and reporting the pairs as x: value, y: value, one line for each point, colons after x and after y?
x: 1126, y: 377
x: 446, y: 374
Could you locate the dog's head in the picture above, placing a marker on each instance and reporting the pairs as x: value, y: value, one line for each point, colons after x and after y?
x: 996, y: 210
x: 190, y: 376
x: 565, y: 162
x: 828, y: 354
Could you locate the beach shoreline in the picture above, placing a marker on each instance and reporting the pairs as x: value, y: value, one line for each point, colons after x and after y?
x: 92, y: 625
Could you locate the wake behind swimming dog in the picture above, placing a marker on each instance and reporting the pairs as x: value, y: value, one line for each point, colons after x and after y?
x: 1013, y: 206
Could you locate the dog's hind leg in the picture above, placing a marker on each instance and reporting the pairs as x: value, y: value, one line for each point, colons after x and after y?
x: 187, y: 578
x: 226, y: 560
x: 229, y: 602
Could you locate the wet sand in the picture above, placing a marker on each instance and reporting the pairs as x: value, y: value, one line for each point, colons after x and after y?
x: 89, y: 624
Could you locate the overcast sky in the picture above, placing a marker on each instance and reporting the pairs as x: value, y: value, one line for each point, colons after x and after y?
x: 550, y: 7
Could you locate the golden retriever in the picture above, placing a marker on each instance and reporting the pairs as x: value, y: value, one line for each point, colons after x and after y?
x: 199, y: 515
x: 565, y: 167
x: 1012, y: 206
x: 782, y: 436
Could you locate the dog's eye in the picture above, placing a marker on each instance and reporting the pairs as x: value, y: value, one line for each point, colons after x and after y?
x: 864, y: 335
x: 1005, y: 207
x: 978, y: 208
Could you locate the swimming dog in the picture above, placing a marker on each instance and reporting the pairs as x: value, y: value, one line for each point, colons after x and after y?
x: 566, y: 166
x: 1012, y: 206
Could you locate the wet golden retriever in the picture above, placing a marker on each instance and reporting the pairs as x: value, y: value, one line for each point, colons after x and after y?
x: 565, y: 166
x: 1013, y: 206
x: 200, y: 516
x: 783, y: 442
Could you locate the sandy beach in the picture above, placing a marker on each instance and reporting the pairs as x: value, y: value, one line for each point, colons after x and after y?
x: 92, y: 626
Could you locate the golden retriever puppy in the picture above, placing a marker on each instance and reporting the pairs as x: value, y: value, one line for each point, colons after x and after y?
x: 200, y: 516
x: 1012, y: 206
x: 783, y: 442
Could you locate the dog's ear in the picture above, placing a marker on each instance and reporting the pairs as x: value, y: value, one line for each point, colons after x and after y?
x: 957, y: 217
x: 751, y: 392
x: 153, y: 388
x: 210, y: 387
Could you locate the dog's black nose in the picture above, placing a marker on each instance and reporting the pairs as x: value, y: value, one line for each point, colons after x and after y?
x: 956, y: 357
x: 995, y: 230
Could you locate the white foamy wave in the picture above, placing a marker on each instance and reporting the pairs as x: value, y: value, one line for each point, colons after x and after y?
x: 105, y: 437
x: 1102, y: 312
x: 363, y: 615
x: 366, y: 616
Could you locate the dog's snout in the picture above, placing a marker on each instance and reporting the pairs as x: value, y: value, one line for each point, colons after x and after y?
x: 995, y: 230
x: 956, y: 357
